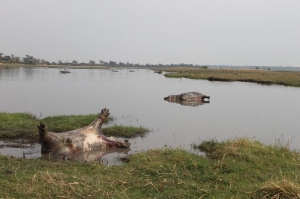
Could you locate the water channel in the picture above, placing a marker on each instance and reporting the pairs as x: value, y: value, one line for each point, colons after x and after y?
x: 236, y: 109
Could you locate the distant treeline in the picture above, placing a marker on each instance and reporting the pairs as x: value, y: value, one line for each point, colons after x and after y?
x: 28, y: 59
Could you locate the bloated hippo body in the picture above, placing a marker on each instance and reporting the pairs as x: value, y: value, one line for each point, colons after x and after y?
x: 79, y: 140
x: 190, y: 96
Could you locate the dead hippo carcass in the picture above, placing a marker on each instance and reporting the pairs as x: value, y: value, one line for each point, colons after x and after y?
x: 190, y: 96
x: 79, y: 140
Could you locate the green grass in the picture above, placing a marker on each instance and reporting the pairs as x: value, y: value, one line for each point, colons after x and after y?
x: 18, y: 126
x: 126, y: 132
x: 269, y: 171
x: 257, y: 76
x: 24, y: 126
x: 238, y: 168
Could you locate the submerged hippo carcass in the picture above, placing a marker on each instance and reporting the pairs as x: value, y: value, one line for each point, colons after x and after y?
x: 79, y: 140
x: 190, y: 96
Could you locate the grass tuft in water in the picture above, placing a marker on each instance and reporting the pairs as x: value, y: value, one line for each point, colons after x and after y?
x: 126, y: 132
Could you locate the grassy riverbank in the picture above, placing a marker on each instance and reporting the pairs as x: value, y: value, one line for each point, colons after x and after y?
x: 239, y: 168
x: 257, y: 76
x: 23, y: 126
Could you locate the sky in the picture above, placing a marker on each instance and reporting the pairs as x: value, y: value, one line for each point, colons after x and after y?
x: 200, y: 32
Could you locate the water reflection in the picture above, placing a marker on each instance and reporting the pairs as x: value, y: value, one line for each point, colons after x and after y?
x: 9, y: 72
x: 28, y: 71
x: 193, y: 103
x: 97, y: 155
x: 20, y: 149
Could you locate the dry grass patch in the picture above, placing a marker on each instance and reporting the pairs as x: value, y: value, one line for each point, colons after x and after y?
x: 278, y: 189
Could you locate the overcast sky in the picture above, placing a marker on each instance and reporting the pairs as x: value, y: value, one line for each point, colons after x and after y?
x: 212, y: 32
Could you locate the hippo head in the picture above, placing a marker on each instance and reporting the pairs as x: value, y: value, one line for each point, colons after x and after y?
x: 108, y: 143
x: 123, y: 144
x: 205, y: 98
x: 58, y: 146
x: 52, y: 144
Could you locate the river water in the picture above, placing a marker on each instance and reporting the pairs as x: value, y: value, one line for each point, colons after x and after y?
x: 236, y: 109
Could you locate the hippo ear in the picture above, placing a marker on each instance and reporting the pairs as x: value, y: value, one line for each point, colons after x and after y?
x: 42, y: 128
x: 39, y: 127
x: 68, y: 141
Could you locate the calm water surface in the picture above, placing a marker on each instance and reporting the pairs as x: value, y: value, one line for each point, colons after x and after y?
x: 266, y: 113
